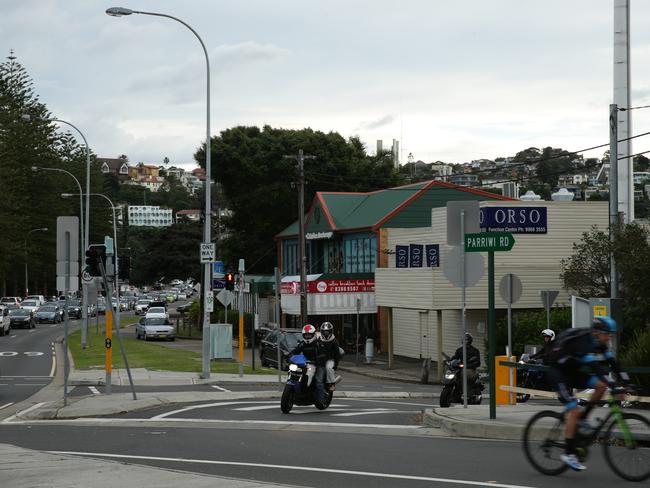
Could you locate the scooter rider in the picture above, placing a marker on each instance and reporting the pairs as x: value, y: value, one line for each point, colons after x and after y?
x: 331, y: 351
x: 542, y: 355
x: 473, y: 358
x: 311, y: 348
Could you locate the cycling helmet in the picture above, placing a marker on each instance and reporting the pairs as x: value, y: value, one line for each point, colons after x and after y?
x: 326, y: 331
x: 468, y: 338
x: 548, y: 333
x: 604, y: 324
x: 308, y: 333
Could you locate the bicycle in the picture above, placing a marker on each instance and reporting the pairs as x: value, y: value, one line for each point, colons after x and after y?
x: 625, y: 437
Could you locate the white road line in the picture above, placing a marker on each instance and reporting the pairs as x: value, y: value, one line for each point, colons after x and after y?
x: 294, y: 468
x: 30, y: 384
x: 220, y: 389
x: 26, y: 377
x: 94, y: 390
x: 13, y: 336
x: 6, y: 405
x: 33, y: 407
x: 53, y: 368
x: 374, y: 412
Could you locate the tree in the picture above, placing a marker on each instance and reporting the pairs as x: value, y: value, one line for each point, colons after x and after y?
x: 586, y: 272
x: 257, y: 181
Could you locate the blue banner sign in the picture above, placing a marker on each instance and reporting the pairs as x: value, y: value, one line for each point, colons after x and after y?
x: 433, y: 255
x: 416, y: 252
x: 401, y: 256
x: 516, y: 220
x: 218, y: 269
x: 218, y: 284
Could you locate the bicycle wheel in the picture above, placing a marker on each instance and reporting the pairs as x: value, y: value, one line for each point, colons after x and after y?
x: 628, y: 456
x: 544, y: 442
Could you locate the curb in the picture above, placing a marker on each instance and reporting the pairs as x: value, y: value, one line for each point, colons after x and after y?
x: 468, y: 428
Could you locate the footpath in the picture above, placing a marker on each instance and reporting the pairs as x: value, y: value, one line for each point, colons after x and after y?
x: 27, y: 468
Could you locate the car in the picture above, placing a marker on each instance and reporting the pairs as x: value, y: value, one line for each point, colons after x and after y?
x: 158, y: 303
x: 6, y: 300
x: 101, y: 306
x: 142, y: 306
x: 157, y: 312
x: 287, y: 338
x: 124, y: 304
x: 19, y: 317
x: 48, y: 313
x: 31, y: 305
x: 39, y: 298
x: 5, y: 322
x: 154, y: 328
x: 74, y: 309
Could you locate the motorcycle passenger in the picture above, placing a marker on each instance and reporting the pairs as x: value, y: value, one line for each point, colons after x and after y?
x: 473, y: 358
x: 573, y: 349
x: 309, y: 348
x: 542, y: 355
x: 330, y: 349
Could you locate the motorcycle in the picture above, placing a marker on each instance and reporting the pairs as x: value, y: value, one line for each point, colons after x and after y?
x: 452, y: 390
x: 530, y: 378
x: 296, y: 391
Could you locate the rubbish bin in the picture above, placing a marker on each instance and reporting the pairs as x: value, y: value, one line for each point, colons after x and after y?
x: 370, y: 348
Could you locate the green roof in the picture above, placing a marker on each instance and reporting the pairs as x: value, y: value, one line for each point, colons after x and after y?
x: 404, y: 206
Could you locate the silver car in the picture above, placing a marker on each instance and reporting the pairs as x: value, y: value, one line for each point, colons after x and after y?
x: 154, y: 328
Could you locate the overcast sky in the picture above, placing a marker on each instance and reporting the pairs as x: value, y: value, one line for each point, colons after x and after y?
x: 452, y: 80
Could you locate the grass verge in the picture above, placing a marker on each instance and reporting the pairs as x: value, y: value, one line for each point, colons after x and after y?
x: 149, y: 355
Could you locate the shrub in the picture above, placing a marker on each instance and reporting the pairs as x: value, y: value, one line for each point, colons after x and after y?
x: 527, y: 327
x: 637, y: 353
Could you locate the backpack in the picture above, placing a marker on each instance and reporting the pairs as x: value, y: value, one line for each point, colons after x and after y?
x: 560, y: 346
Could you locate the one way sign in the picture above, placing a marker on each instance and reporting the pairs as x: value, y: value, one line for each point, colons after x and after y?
x: 207, y: 253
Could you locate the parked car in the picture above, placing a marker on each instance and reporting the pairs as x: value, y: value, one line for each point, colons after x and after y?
x: 287, y: 338
x: 48, y: 313
x: 5, y: 322
x: 154, y: 328
x: 31, y: 305
x: 6, y: 300
x: 157, y: 312
x: 19, y: 317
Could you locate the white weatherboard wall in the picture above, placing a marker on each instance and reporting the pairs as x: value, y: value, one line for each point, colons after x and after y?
x: 535, y: 259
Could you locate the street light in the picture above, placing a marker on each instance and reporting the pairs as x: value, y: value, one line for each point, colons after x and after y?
x: 207, y: 274
x: 41, y: 229
x: 86, y: 226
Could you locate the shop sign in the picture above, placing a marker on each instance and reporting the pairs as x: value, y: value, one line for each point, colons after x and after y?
x: 417, y: 256
x: 318, y: 235
x: 330, y: 286
x: 516, y: 220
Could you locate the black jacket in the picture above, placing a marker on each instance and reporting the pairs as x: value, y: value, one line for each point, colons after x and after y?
x: 544, y: 353
x: 313, y: 351
x: 330, y: 350
x: 473, y: 356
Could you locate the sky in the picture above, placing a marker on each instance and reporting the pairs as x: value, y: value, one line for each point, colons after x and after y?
x: 454, y: 81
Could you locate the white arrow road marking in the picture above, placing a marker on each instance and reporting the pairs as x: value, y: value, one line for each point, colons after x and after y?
x: 94, y: 390
x: 216, y: 387
x: 294, y: 468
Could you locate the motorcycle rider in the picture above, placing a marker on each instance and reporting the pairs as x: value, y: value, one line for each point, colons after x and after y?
x: 311, y: 348
x: 573, y: 349
x: 542, y: 355
x: 473, y: 358
x: 330, y: 348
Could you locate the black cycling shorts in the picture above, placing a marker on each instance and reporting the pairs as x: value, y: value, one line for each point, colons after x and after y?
x: 564, y: 381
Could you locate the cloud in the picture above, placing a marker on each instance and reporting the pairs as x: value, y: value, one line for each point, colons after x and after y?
x: 376, y: 124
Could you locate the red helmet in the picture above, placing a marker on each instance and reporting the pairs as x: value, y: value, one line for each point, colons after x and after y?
x: 308, y: 333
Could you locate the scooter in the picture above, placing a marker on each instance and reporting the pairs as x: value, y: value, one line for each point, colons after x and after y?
x: 297, y: 392
x: 452, y: 390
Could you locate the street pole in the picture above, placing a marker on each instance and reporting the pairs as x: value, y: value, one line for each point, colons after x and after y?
x: 242, y: 345
x: 276, y: 272
x: 206, y: 286
x: 613, y: 195
x: 463, y: 299
x: 42, y: 229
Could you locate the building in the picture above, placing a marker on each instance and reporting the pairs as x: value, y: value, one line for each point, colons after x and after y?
x: 422, y: 308
x: 467, y: 179
x: 149, y: 216
x: 346, y: 242
x: 114, y: 166
x: 192, y: 215
x: 153, y: 183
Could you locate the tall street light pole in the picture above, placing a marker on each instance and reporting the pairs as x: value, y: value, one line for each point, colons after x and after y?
x: 86, y: 226
x: 41, y: 229
x: 206, y: 286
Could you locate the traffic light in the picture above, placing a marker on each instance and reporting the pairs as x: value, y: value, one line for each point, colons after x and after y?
x: 125, y: 267
x: 230, y: 281
x: 94, y: 253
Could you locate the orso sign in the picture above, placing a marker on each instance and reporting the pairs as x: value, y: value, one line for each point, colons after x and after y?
x: 516, y: 220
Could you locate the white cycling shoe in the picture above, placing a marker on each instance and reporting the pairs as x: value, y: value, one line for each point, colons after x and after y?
x: 572, y: 461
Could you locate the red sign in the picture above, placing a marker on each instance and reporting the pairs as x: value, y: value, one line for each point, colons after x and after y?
x: 330, y: 286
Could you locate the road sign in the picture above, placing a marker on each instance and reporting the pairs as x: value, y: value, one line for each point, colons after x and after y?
x: 86, y: 276
x: 510, y: 288
x: 218, y: 269
x: 225, y: 297
x: 474, y: 266
x: 470, y: 220
x: 218, y: 284
x: 209, y: 302
x: 489, y: 241
x: 548, y: 297
x: 207, y: 253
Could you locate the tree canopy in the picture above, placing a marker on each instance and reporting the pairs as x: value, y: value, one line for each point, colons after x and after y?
x: 259, y: 181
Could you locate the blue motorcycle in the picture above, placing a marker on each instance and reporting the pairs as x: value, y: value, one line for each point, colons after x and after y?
x: 296, y: 391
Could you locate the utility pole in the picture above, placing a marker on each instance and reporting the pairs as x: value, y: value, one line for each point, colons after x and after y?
x: 302, y: 257
x: 613, y: 194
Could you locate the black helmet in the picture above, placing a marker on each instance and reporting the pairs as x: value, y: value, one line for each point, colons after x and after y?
x: 468, y: 338
x: 326, y: 331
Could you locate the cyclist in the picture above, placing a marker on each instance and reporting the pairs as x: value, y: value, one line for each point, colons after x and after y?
x: 573, y: 350
x: 542, y: 355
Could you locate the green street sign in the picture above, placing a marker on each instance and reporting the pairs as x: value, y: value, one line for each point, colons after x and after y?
x: 489, y: 241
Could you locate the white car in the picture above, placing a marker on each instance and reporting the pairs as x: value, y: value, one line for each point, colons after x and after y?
x: 142, y: 306
x: 30, y: 305
x: 5, y: 323
x: 154, y: 328
x: 156, y: 313
x: 39, y: 298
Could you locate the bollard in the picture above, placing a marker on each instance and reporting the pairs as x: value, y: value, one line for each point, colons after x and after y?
x: 370, y: 348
